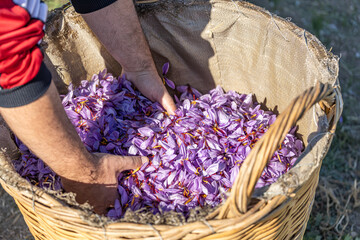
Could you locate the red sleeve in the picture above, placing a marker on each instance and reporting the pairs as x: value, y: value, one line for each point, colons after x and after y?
x: 20, y: 56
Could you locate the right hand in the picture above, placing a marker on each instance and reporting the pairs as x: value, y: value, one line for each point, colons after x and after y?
x: 150, y: 84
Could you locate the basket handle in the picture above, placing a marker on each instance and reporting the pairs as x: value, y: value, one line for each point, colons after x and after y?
x: 254, y: 164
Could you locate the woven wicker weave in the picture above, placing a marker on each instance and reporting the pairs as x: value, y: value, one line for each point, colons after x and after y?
x: 278, y: 212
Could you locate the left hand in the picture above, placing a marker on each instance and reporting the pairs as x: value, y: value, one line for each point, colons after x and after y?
x: 100, y: 189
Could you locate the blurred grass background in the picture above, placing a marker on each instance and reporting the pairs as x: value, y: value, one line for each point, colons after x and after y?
x: 336, y: 210
x: 55, y: 3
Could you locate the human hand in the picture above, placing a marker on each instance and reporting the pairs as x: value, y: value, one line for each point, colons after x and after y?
x: 100, y: 189
x: 150, y: 84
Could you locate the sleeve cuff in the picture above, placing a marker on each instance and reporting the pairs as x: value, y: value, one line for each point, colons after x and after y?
x: 25, y: 94
x: 88, y: 6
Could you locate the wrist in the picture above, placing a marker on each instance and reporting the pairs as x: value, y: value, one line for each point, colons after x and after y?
x: 144, y: 69
x: 137, y: 77
x: 83, y: 169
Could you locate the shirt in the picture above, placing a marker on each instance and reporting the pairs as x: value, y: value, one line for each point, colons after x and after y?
x: 23, y: 75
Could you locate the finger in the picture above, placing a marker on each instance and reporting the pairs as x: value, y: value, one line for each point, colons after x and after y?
x: 133, y: 162
x: 144, y: 159
x: 168, y: 103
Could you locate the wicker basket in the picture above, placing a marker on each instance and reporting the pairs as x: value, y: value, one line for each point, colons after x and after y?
x: 233, y: 44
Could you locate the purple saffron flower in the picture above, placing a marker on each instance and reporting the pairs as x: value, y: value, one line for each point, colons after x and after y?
x: 195, y: 155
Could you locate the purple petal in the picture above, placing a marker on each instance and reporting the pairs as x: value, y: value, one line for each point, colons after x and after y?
x: 165, y: 68
x: 216, y: 167
x: 189, y: 167
x: 170, y: 83
x: 146, y: 131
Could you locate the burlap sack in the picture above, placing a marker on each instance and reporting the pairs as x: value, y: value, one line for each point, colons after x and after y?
x: 233, y: 44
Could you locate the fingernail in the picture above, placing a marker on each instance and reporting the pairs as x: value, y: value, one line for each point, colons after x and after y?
x: 144, y: 159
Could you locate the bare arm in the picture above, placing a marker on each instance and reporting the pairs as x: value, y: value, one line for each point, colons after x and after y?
x: 44, y: 127
x: 117, y: 27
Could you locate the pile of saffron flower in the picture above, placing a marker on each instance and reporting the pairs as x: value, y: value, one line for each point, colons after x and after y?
x: 33, y: 169
x: 195, y: 155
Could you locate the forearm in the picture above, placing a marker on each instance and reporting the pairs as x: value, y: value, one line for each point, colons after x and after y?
x: 118, y: 28
x: 44, y: 127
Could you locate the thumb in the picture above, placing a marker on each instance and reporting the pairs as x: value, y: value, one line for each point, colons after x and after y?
x: 133, y: 162
x: 121, y: 162
x: 168, y: 103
